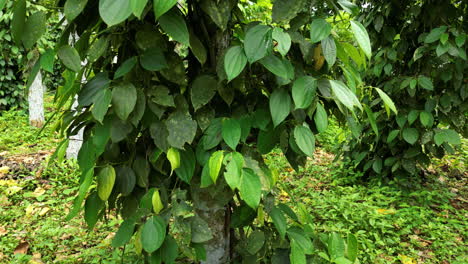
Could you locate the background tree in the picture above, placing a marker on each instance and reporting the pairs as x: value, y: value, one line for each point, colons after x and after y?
x: 181, y: 101
x: 421, y: 62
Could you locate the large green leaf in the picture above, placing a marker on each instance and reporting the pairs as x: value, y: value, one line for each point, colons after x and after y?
x: 410, y: 135
x: 34, y: 28
x: 283, y: 39
x: 285, y: 10
x: 198, y: 49
x: 18, y: 21
x: 297, y: 255
x: 169, y: 250
x: 70, y: 58
x: 425, y: 83
x: 98, y: 48
x: 187, y: 165
x: 234, y: 62
x: 201, y: 232
x: 275, y: 65
x: 93, y: 206
x: 250, y: 188
x: 182, y: 129
x: 303, y: 91
x: 114, y: 12
x: 345, y: 95
x: 392, y: 135
x: 105, y: 182
x: 124, y: 96
x: 153, y: 60
x: 329, y: 50
x: 160, y: 7
x: 446, y: 136
x: 47, y: 60
x: 389, y: 105
x: 101, y: 104
x: 215, y: 164
x: 352, y: 248
x: 174, y: 25
x: 125, y: 233
x: 435, y: 34
x: 73, y: 8
x: 231, y: 132
x: 426, y: 119
x: 305, y: 140
x: 319, y: 30
x: 298, y: 235
x: 126, y: 180
x: 93, y: 87
x: 362, y: 37
x: 258, y: 42
x: 255, y: 241
x: 202, y: 90
x: 320, y: 118
x: 153, y: 234
x: 336, y: 246
x: 233, y: 172
x: 138, y: 6
x: 280, y: 105
x: 219, y: 12
x: 279, y: 221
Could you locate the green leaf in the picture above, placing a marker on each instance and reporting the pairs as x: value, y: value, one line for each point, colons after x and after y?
x: 34, y: 28
x: 372, y: 121
x: 425, y: 83
x: 138, y: 6
x: 215, y: 164
x: 197, y: 48
x: 153, y: 234
x: 412, y: 116
x: 47, y: 60
x: 187, y: 165
x: 426, y: 119
x: 258, y: 42
x: 434, y: 35
x: 18, y: 21
x: 105, y: 182
x: 125, y: 233
x: 174, y: 25
x: 279, y: 221
x: 283, y: 39
x: 156, y: 202
x: 377, y: 165
x: 345, y: 95
x: 233, y: 172
x: 285, y: 10
x: 169, y: 250
x: 162, y: 97
x: 2, y: 4
x: 298, y: 235
x: 280, y: 105
x: 114, y: 12
x: 92, y: 88
x: 101, y: 104
x: 250, y: 188
x: 126, y: 180
x: 275, y: 65
x: 153, y: 60
x: 460, y: 40
x: 98, y: 48
x: 93, y: 206
x: 305, y: 140
x: 319, y: 30
x: 124, y: 96
x: 392, y: 135
x: 255, y: 241
x: 447, y: 136
x: 160, y: 7
x: 234, y: 62
x: 410, y: 135
x: 320, y: 118
x: 303, y: 91
x: 125, y: 67
x: 329, y: 50
x: 352, y: 248
x: 201, y: 232
x: 70, y: 58
x: 84, y: 187
x: 73, y: 8
x: 213, y: 134
x: 349, y: 7
x: 336, y: 246
x: 362, y: 37
x: 181, y: 128
x: 173, y: 156
x: 231, y: 132
x: 202, y: 90
x: 387, y: 102
x: 297, y: 255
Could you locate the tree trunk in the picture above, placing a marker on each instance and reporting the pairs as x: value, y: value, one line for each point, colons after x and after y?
x: 36, y: 102
x: 75, y: 141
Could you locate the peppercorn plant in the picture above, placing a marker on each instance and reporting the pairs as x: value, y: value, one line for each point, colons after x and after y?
x: 182, y: 99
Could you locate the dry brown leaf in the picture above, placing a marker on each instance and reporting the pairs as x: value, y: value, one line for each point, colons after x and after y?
x: 3, y: 231
x: 22, y: 248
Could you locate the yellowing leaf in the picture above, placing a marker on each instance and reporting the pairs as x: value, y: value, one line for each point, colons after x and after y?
x: 385, y: 211
x: 406, y: 260
x: 173, y: 156
x: 157, y: 204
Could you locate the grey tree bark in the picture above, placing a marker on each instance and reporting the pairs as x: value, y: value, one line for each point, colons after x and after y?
x: 36, y: 102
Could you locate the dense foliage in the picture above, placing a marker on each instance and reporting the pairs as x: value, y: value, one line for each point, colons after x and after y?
x: 420, y: 61
x: 180, y: 102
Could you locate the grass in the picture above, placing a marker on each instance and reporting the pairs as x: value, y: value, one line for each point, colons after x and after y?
x: 425, y: 224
